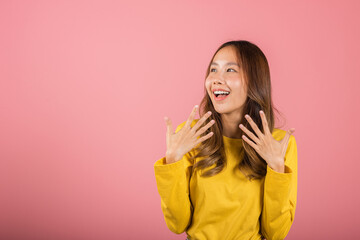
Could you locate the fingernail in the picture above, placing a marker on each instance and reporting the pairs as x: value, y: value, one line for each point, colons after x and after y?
x: 261, y: 112
x: 196, y: 106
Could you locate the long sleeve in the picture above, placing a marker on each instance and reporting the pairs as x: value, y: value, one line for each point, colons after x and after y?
x: 173, y: 186
x: 280, y: 197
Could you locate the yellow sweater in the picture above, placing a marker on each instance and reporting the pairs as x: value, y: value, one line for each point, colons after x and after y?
x: 228, y: 206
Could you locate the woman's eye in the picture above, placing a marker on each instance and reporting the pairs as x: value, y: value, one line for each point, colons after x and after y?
x: 211, y: 70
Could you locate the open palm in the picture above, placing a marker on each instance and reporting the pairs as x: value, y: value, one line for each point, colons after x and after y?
x: 271, y: 150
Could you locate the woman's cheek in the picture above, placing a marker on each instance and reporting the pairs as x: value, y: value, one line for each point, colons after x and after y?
x: 207, y: 84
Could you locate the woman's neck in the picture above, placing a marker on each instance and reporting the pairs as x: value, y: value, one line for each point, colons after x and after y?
x: 231, y: 122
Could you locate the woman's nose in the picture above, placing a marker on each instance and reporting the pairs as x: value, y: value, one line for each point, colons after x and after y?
x: 218, y: 80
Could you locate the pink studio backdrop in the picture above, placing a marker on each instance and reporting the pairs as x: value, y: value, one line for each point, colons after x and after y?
x: 85, y: 85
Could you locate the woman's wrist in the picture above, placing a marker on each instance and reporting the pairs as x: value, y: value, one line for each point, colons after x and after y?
x: 172, y: 159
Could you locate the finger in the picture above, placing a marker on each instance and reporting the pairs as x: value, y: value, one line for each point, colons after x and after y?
x: 254, y: 126
x: 169, y: 129
x: 285, y: 140
x: 250, y: 134
x: 191, y: 117
x: 253, y: 145
x: 203, y: 129
x: 264, y: 123
x: 202, y: 120
x: 204, y: 138
x: 287, y: 135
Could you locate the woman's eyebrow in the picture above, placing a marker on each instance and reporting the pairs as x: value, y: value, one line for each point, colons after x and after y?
x: 229, y: 63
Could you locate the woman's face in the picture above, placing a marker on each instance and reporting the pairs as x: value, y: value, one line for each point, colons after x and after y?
x: 226, y: 74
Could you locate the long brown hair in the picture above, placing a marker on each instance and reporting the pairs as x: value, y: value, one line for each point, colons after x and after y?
x: 257, y: 78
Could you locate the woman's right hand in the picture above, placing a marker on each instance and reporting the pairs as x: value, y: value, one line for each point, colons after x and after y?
x: 180, y: 143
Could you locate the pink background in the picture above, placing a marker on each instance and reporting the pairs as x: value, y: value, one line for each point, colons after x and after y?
x: 85, y: 85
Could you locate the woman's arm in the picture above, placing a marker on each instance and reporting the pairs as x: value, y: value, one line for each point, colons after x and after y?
x: 280, y: 196
x: 173, y: 186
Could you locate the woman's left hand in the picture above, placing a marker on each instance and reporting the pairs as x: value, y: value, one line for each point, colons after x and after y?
x: 271, y: 150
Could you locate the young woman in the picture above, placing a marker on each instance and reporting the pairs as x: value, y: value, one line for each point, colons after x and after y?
x: 230, y: 174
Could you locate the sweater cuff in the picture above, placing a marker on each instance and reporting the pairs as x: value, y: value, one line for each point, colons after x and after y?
x: 161, y: 165
x: 278, y: 182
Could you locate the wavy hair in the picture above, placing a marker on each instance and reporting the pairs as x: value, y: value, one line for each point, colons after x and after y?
x: 257, y: 78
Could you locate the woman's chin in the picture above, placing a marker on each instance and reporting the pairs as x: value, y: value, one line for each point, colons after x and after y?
x: 221, y: 110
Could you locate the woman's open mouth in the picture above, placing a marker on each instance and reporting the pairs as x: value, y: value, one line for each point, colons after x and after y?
x: 220, y: 95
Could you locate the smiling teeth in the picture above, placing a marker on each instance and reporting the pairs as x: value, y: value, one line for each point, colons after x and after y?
x: 221, y: 92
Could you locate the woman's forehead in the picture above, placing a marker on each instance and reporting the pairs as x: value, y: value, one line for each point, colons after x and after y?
x: 225, y: 55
